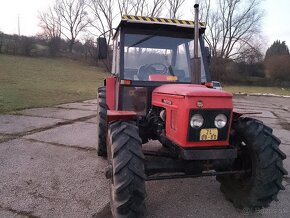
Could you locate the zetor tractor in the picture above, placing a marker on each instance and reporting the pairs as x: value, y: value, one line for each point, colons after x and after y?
x: 159, y: 90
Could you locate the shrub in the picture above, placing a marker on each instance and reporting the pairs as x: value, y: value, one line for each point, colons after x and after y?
x: 278, y: 67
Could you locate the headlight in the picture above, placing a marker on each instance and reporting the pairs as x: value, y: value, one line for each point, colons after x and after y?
x: 196, y: 121
x: 220, y: 121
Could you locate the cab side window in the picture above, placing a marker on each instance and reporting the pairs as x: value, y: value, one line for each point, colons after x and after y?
x: 116, y: 55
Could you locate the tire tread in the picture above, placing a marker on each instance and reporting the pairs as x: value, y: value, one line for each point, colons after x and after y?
x: 128, y: 184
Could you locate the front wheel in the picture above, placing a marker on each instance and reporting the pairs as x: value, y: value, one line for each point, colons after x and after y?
x: 126, y: 161
x: 259, y: 153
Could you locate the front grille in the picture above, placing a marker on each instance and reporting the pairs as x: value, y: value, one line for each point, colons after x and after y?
x: 209, y: 116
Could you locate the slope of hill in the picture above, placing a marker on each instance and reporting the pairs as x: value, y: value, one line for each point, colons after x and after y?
x: 41, y: 82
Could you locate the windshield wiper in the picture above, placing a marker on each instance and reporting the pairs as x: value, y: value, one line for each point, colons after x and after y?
x: 145, y: 39
x: 142, y: 40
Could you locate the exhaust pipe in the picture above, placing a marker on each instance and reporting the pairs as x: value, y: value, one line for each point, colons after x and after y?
x: 196, y: 60
x: 196, y: 30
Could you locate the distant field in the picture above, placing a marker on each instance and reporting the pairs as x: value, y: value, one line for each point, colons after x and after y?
x: 41, y: 82
x: 258, y: 89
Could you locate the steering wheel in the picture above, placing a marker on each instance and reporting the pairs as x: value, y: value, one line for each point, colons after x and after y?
x: 146, y: 70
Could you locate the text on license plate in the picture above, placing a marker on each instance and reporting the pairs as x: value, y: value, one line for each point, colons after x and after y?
x: 208, y: 134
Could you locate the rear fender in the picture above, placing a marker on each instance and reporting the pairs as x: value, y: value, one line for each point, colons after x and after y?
x: 113, y: 115
x: 110, y: 91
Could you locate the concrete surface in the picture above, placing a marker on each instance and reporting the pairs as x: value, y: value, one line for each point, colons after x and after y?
x: 51, y: 181
x: 15, y: 124
x: 78, y: 134
x: 92, y: 120
x: 57, y: 113
x: 88, y: 105
x: 49, y: 167
x: 92, y: 101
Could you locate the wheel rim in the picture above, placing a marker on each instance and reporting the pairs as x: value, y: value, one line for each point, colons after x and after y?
x: 246, y: 161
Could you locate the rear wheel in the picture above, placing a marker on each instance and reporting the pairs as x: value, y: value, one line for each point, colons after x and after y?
x: 126, y: 161
x: 102, y: 122
x: 259, y: 153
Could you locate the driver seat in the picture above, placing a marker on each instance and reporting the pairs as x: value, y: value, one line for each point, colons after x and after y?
x: 144, y: 71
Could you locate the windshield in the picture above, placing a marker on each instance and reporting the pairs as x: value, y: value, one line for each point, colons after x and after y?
x: 157, y: 58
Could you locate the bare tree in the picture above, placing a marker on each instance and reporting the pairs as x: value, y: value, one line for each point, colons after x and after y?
x: 74, y: 18
x: 147, y: 8
x: 125, y: 7
x: 232, y: 26
x: 174, y: 8
x: 90, y: 50
x: 155, y: 9
x: 106, y: 11
x: 249, y: 52
x: 139, y: 7
x: 103, y: 15
x: 204, y: 10
x: 50, y: 23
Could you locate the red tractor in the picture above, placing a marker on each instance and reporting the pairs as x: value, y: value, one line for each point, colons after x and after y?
x: 158, y: 90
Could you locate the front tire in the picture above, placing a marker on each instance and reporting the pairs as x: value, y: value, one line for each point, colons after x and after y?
x: 126, y: 161
x: 259, y: 152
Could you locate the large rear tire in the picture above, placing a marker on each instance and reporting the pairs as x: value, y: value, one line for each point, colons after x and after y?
x: 102, y: 122
x: 126, y: 161
x: 259, y: 152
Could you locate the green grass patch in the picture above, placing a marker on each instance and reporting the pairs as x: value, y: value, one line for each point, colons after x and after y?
x: 258, y: 89
x: 41, y: 82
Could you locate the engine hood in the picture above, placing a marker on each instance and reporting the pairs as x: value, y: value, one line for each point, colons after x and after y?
x: 190, y: 90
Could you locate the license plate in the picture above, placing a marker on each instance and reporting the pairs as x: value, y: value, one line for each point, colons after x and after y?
x: 208, y: 134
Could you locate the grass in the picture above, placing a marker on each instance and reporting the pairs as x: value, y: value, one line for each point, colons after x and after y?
x: 41, y: 82
x: 258, y: 89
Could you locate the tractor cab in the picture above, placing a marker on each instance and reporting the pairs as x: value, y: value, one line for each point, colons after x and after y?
x: 149, y: 52
x: 156, y: 50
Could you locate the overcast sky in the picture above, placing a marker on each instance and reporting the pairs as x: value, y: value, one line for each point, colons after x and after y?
x: 276, y: 23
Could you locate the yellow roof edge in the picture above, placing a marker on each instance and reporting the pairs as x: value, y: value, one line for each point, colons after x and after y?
x: 161, y: 20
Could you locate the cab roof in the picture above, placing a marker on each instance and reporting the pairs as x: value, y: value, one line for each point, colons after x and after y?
x: 142, y: 22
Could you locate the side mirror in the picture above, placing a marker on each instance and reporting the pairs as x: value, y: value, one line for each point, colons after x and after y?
x: 207, y: 54
x: 102, y: 48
